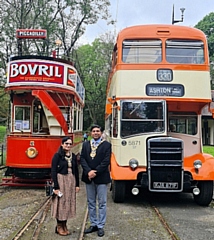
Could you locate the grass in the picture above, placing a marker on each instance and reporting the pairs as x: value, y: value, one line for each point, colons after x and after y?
x: 2, y: 133
x: 2, y: 139
x: 209, y: 150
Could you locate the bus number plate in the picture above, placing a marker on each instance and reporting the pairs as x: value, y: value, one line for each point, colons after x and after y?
x: 165, y: 185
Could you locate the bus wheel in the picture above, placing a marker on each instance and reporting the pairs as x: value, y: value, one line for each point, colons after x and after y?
x: 206, y: 193
x: 118, y: 191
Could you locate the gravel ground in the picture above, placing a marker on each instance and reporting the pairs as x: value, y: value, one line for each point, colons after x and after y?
x: 133, y: 219
x: 17, y: 205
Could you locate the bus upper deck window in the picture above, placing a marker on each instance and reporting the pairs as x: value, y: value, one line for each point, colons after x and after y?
x: 142, y: 51
x: 185, y: 51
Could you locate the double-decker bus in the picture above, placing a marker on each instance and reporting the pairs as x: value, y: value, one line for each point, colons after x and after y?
x: 46, y: 104
x: 158, y: 84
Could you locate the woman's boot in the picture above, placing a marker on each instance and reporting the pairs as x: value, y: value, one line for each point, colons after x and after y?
x: 60, y: 229
x: 65, y: 227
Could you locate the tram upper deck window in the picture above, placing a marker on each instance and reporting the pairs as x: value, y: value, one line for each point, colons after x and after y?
x: 139, y: 117
x: 142, y: 51
x: 184, y: 51
x: 22, y: 118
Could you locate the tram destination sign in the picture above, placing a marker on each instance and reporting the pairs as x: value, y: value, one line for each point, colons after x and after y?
x: 172, y: 90
x: 31, y: 33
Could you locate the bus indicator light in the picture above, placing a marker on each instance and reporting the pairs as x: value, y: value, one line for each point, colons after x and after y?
x: 164, y: 75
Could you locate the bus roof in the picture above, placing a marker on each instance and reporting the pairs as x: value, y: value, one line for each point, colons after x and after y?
x: 160, y: 30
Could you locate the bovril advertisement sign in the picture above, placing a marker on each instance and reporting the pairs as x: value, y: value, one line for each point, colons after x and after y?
x: 35, y: 71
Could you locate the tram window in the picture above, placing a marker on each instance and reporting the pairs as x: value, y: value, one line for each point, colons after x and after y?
x: 36, y: 122
x: 22, y: 118
x: 185, y: 51
x: 142, y: 51
x: 185, y: 124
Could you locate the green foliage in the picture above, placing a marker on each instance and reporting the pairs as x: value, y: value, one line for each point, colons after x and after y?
x: 64, y: 20
x: 209, y: 150
x: 94, y: 65
x: 207, y: 26
x: 4, y: 107
x: 2, y: 133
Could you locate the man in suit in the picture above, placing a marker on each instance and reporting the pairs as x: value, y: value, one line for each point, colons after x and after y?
x: 95, y: 160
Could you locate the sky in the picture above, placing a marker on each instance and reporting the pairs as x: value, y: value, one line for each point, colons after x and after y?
x: 136, y: 12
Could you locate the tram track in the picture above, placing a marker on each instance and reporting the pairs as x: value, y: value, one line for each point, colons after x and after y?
x: 165, y: 224
x: 40, y: 216
x: 42, y: 213
x: 139, y: 217
x: 2, y: 167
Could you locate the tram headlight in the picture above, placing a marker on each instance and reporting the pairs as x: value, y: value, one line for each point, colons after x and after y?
x: 133, y: 163
x: 31, y: 152
x: 197, y: 164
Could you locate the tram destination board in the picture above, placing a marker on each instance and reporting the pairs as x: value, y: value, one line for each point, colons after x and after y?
x: 173, y: 90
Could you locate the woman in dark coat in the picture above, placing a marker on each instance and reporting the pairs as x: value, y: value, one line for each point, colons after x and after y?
x: 65, y: 176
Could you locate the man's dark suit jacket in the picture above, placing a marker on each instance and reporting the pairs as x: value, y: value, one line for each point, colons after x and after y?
x: 100, y: 163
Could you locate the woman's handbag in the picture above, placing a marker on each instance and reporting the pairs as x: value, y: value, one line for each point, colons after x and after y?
x: 49, y: 189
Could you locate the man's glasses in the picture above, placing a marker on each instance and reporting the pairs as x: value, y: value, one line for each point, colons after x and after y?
x: 66, y: 143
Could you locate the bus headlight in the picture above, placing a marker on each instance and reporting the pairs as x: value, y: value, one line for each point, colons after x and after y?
x: 197, y: 164
x: 133, y: 164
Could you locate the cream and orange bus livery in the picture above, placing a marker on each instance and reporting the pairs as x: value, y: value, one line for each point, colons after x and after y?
x: 158, y: 84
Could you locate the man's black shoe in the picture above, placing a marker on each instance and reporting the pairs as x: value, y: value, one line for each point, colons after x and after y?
x: 100, y: 232
x: 91, y: 229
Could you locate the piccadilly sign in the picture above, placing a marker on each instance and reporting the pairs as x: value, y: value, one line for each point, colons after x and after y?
x: 36, y: 72
x: 31, y: 33
x: 172, y: 90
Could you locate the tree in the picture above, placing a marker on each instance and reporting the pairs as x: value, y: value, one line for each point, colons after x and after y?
x: 4, y: 106
x: 94, y: 65
x: 207, y: 26
x: 65, y: 20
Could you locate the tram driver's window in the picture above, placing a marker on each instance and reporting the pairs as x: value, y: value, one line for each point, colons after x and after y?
x: 22, y: 118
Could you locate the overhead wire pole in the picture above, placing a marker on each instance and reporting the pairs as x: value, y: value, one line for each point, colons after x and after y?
x: 115, y: 24
x: 182, y: 15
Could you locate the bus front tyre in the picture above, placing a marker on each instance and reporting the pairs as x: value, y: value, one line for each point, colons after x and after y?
x: 118, y: 191
x: 205, y: 196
